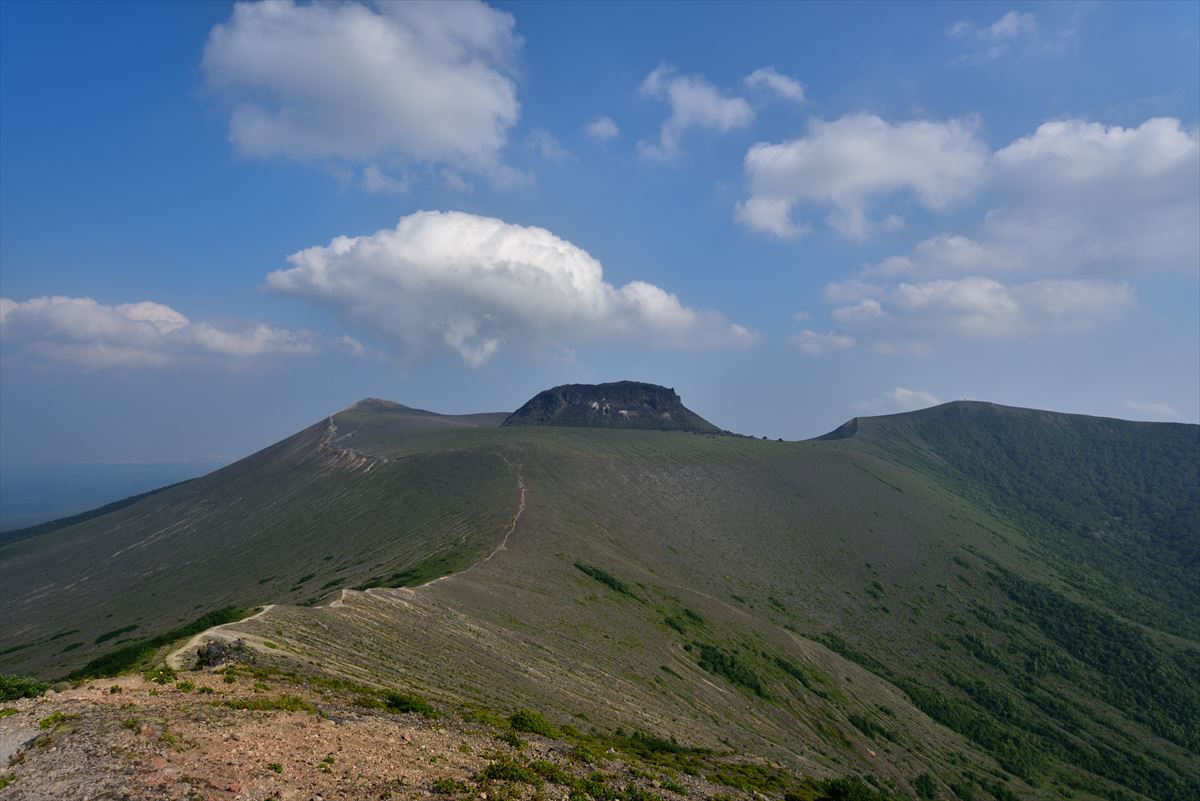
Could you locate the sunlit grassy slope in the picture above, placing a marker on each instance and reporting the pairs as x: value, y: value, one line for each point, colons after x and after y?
x: 939, y: 592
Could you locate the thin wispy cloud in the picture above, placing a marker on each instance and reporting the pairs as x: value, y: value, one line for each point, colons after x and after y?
x: 694, y: 103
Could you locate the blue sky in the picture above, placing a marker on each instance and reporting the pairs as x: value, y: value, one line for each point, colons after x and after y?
x: 795, y: 213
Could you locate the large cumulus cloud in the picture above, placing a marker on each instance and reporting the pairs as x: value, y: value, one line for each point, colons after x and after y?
x: 475, y: 284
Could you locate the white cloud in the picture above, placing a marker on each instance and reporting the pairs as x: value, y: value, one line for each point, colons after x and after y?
x: 474, y: 284
x: 914, y: 317
x: 815, y: 343
x: 83, y: 332
x: 898, y: 399
x: 771, y: 80
x: 602, y: 129
x: 405, y: 82
x: 1153, y: 409
x: 694, y: 103
x: 1014, y: 30
x: 846, y: 163
x: 377, y: 182
x: 1078, y: 197
x: 947, y: 254
x: 772, y: 215
x: 547, y: 146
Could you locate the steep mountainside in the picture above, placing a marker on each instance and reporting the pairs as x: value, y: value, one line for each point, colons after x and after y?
x: 622, y: 404
x: 924, y: 602
x: 289, y: 523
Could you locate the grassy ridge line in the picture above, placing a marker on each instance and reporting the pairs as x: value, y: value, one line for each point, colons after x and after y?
x: 133, y: 655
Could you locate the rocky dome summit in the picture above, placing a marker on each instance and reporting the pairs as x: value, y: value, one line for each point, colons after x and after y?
x: 621, y: 404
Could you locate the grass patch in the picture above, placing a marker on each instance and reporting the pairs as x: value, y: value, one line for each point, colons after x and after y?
x: 450, y: 787
x: 506, y: 770
x: 606, y: 578
x: 55, y: 719
x: 282, y: 703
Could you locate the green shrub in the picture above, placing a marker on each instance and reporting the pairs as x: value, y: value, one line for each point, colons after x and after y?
x: 450, y: 787
x: 606, y: 578
x: 507, y: 770
x: 14, y: 687
x: 402, y: 703
x: 925, y: 787
x: 730, y: 666
x: 555, y: 774
x: 527, y: 720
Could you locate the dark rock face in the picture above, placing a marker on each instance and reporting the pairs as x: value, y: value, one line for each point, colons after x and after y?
x: 623, y: 404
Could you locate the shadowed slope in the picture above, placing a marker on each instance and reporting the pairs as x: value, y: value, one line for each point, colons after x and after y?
x: 289, y: 523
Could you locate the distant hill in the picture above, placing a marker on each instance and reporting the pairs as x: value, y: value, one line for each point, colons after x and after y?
x: 1116, y: 502
x: 968, y: 601
x: 621, y: 404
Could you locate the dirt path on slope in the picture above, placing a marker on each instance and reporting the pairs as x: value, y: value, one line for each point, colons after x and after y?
x: 520, y: 466
x: 178, y: 659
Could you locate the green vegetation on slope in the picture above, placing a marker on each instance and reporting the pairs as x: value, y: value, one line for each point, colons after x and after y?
x: 1116, y: 503
x: 760, y: 572
x: 136, y: 654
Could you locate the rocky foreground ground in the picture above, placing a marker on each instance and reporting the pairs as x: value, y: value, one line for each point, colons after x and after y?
x: 229, y: 735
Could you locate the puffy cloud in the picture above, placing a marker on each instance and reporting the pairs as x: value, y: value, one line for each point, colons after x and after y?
x: 694, y: 103
x: 899, y: 399
x: 814, y: 343
x: 769, y: 79
x: 602, y: 129
x: 914, y: 316
x: 849, y: 161
x: 547, y: 146
x: 1078, y: 197
x: 145, y: 334
x: 421, y: 82
x: 772, y: 215
x: 474, y: 284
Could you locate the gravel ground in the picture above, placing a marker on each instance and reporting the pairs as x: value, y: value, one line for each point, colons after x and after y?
x: 130, y: 738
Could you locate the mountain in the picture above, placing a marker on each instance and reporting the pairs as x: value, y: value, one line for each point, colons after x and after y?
x: 622, y: 404
x: 969, y: 601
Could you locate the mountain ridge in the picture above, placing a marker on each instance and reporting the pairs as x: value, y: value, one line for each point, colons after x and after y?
x: 914, y: 598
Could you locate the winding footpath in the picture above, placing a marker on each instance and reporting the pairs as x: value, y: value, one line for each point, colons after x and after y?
x: 177, y: 659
